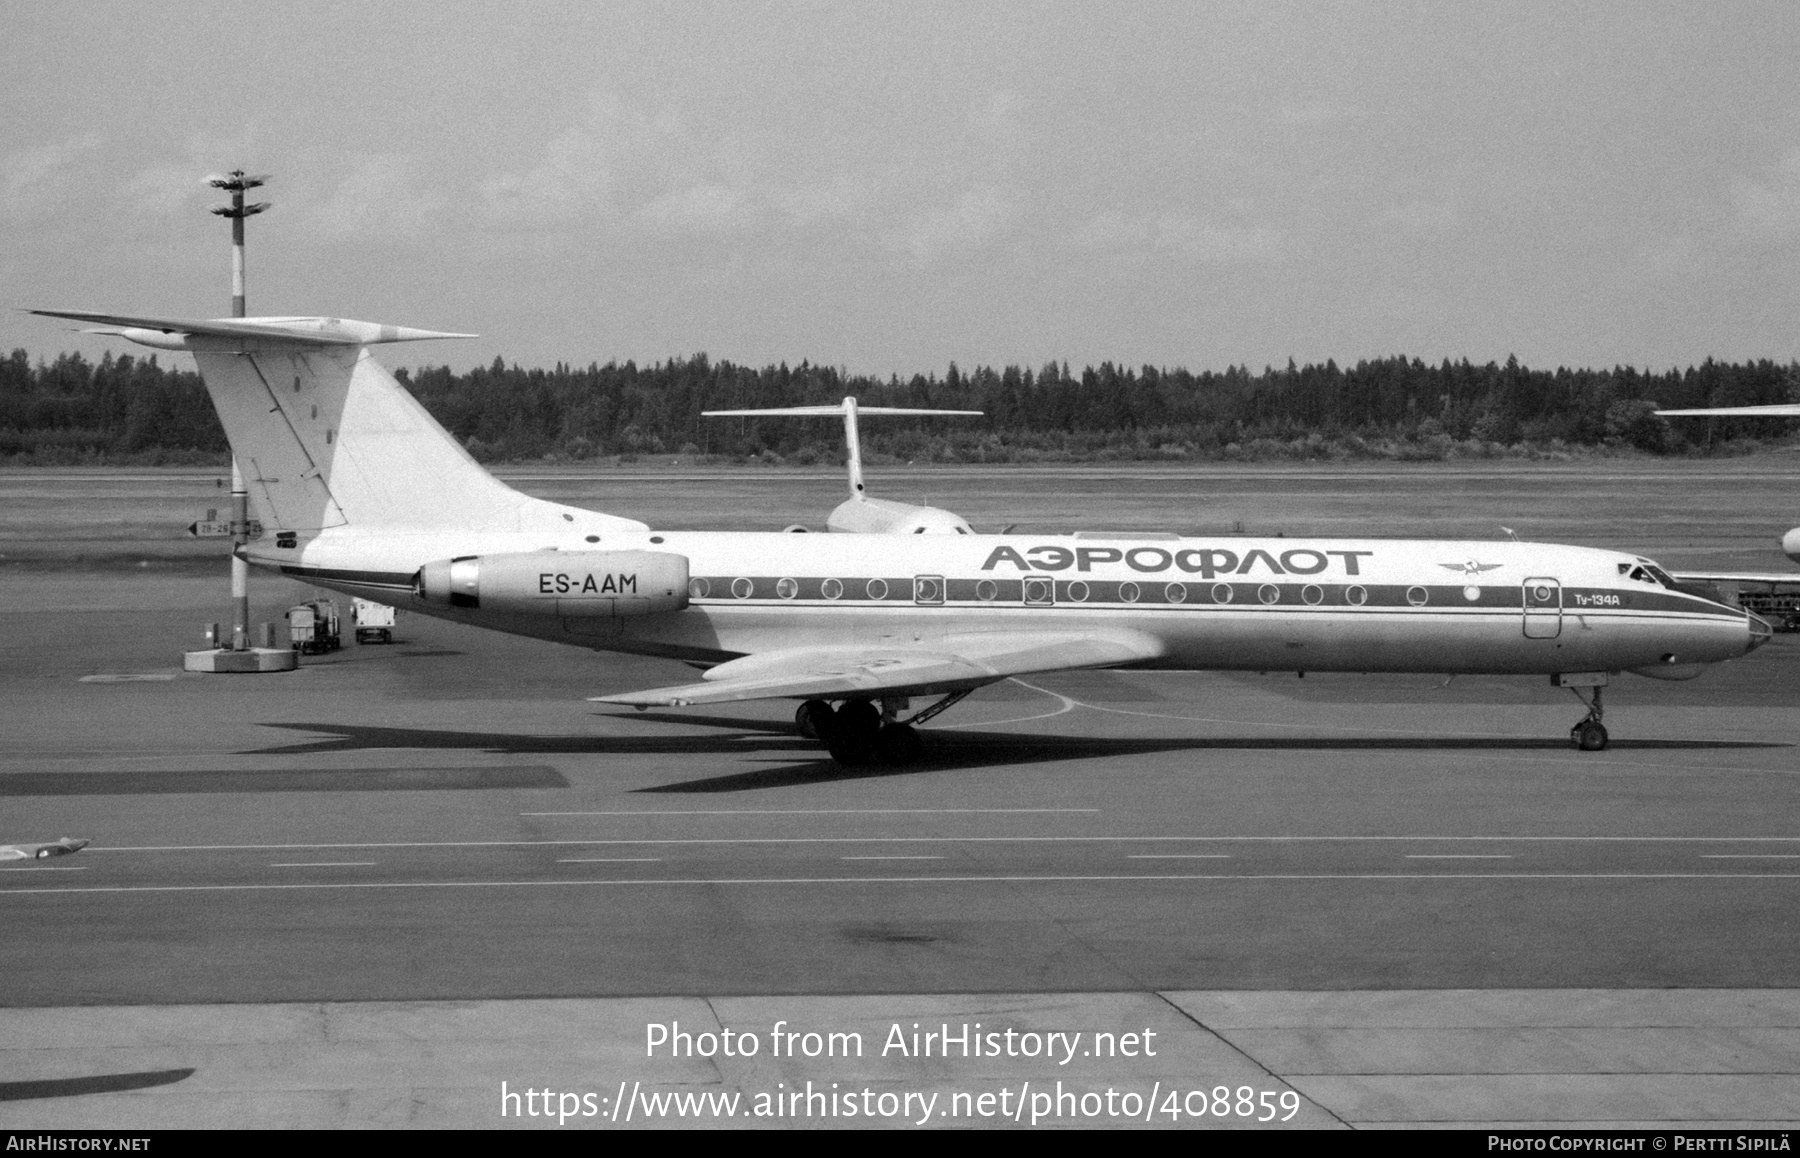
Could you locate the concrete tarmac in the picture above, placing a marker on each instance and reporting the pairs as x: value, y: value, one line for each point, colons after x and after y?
x: 446, y: 827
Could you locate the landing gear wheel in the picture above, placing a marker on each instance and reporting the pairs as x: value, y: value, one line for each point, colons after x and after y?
x: 851, y: 737
x: 898, y: 744
x: 1589, y: 736
x: 813, y: 718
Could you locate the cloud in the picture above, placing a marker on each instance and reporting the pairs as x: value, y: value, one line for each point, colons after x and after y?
x: 380, y: 197
x: 1138, y: 236
x: 161, y: 190
x: 978, y: 217
x: 583, y: 170
x: 1769, y: 209
x: 33, y: 180
x: 1316, y: 114
x: 703, y: 208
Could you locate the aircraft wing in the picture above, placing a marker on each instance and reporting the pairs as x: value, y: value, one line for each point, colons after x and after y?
x: 1773, y: 410
x: 954, y: 664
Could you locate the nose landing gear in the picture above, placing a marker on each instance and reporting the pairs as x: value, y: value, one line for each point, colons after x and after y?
x: 1589, y: 734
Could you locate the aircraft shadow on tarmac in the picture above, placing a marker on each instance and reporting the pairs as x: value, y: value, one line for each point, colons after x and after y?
x: 944, y: 751
x: 96, y: 1084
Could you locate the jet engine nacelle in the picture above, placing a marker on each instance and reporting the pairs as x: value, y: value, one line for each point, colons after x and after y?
x: 565, y: 584
x: 1790, y: 544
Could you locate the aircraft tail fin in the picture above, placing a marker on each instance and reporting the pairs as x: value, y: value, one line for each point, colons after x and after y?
x: 848, y: 410
x: 325, y: 436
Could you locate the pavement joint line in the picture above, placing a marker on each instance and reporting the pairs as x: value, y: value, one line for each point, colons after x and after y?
x: 1070, y: 703
x: 944, y: 840
x: 1094, y: 879
x: 802, y: 811
x: 325, y: 864
x: 1217, y: 1035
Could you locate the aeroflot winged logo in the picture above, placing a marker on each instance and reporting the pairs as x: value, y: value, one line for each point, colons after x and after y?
x: 1203, y: 561
x: 1470, y: 568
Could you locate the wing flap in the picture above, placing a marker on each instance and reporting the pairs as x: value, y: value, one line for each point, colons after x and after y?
x: 954, y: 664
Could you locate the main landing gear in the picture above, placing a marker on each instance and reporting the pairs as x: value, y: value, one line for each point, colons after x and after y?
x: 858, y: 732
x: 1589, y: 734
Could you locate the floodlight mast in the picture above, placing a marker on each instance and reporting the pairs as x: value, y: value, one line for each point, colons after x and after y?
x: 235, y: 183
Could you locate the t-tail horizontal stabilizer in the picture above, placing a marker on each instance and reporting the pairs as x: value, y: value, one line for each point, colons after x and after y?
x: 172, y: 333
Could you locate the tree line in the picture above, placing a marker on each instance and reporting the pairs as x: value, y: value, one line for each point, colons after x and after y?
x: 131, y: 409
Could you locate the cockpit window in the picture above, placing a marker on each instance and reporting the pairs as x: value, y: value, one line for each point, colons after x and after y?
x: 1650, y: 573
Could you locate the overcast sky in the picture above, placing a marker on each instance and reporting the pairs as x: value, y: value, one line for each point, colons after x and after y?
x: 889, y: 188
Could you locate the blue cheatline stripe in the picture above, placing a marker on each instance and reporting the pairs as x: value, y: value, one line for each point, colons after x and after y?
x: 1195, y: 594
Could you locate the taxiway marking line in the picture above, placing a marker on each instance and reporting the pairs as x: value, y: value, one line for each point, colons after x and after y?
x: 325, y: 864
x: 1178, y: 856
x: 890, y: 858
x: 1458, y: 856
x: 1749, y: 856
x: 1070, y: 703
x: 48, y: 868
x: 611, y: 860
x: 806, y: 811
x: 1096, y: 879
x: 698, y: 840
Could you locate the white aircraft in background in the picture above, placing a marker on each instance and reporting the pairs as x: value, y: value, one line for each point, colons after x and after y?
x: 860, y: 514
x: 1790, y: 542
x: 363, y: 492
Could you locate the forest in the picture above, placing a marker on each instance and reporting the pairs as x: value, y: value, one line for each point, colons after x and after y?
x: 127, y: 409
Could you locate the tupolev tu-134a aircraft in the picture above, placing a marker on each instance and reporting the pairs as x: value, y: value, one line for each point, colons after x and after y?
x: 363, y: 492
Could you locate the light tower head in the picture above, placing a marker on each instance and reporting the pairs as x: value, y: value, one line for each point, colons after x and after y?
x: 236, y: 181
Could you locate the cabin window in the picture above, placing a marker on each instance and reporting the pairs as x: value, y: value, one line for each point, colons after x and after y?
x: 832, y: 589
x: 1176, y: 593
x: 1417, y: 596
x: 876, y: 588
x: 698, y: 588
x: 1269, y: 593
x: 742, y: 588
x: 1040, y: 590
x: 1313, y: 594
x: 1128, y: 592
x: 1221, y: 593
x: 928, y: 588
x: 1356, y: 595
x: 787, y: 588
x: 1078, y: 591
x: 987, y: 590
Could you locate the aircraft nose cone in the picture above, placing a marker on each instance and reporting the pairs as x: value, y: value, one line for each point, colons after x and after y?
x: 1760, y: 631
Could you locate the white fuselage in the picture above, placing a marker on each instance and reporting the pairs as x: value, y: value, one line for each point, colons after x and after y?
x: 1213, y: 603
